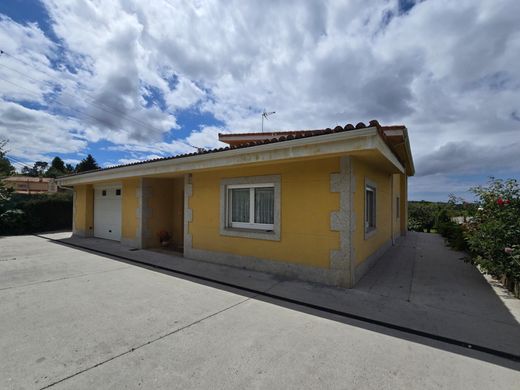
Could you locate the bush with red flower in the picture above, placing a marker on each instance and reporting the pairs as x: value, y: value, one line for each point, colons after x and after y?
x: 493, y: 235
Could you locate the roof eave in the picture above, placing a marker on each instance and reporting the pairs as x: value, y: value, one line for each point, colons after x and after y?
x: 328, y: 144
x: 410, y: 166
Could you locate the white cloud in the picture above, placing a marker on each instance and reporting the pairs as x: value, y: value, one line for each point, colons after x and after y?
x: 72, y: 161
x: 469, y: 158
x: 33, y: 133
x: 29, y: 44
x: 438, y: 186
x: 185, y: 95
x: 206, y: 137
x: 448, y: 70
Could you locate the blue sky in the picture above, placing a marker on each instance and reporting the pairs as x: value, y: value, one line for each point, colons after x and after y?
x: 128, y: 80
x: 26, y: 12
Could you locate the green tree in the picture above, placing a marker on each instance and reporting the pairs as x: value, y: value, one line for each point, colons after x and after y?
x: 37, y: 170
x: 87, y: 164
x: 40, y: 167
x: 26, y: 171
x: 422, y: 216
x: 58, y: 164
x: 6, y: 168
x: 69, y: 169
x: 57, y: 168
x: 493, y: 234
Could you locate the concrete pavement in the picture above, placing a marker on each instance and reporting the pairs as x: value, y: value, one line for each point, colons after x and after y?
x: 424, y: 271
x: 73, y: 319
x: 420, y: 284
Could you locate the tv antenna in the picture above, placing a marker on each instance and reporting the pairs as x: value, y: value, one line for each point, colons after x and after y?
x: 266, y: 115
x: 199, y: 149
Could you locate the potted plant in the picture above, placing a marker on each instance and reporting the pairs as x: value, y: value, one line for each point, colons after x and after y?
x: 164, y: 238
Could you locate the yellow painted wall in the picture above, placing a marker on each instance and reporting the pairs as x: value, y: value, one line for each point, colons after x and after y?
x: 365, y: 247
x: 306, y: 204
x: 396, y: 196
x: 404, y: 204
x: 157, y: 199
x: 84, y: 210
x: 129, y: 207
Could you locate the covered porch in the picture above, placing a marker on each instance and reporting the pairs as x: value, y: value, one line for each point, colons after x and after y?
x: 132, y: 211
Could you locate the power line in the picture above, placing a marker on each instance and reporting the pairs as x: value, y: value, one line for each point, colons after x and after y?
x: 69, y: 107
x: 15, y: 159
x: 111, y: 109
x: 99, y: 106
x: 17, y: 162
x: 82, y: 112
x: 57, y: 102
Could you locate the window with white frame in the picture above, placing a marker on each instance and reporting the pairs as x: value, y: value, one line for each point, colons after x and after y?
x: 251, y: 206
x: 370, y: 208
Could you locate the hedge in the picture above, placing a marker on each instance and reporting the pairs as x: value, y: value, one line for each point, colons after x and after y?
x: 493, y: 235
x: 36, y: 213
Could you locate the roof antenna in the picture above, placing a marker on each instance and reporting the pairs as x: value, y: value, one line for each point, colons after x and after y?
x: 266, y: 115
x: 199, y: 149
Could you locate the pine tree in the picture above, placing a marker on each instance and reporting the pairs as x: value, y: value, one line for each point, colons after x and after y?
x: 6, y: 168
x: 87, y: 164
x: 57, y: 168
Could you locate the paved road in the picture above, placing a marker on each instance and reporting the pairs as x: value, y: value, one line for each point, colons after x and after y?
x: 72, y: 319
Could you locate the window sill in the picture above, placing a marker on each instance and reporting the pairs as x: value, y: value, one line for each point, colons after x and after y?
x: 270, y: 235
x: 370, y: 233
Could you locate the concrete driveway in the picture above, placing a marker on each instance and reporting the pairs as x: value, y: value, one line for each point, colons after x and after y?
x: 73, y: 319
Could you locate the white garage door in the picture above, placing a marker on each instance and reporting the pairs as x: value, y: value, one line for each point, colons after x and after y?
x: 107, y: 212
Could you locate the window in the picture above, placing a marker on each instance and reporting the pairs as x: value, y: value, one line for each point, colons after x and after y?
x: 397, y: 208
x: 118, y: 192
x: 251, y: 206
x: 104, y: 193
x: 370, y: 208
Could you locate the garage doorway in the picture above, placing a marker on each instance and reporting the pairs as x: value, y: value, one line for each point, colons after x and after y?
x: 107, y: 212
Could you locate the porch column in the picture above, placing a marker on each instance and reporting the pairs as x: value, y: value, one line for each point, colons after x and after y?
x: 342, y: 260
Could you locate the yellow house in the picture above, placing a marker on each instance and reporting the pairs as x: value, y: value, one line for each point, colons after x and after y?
x: 318, y: 205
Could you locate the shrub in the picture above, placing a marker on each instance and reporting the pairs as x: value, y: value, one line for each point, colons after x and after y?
x: 421, y: 216
x: 493, y: 235
x: 445, y: 226
x: 12, y: 222
x: 415, y: 225
x: 36, y: 213
x: 454, y: 234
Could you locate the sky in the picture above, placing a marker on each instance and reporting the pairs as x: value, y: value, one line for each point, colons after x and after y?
x: 128, y: 80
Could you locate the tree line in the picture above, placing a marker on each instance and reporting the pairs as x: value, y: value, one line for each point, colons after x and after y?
x: 56, y: 168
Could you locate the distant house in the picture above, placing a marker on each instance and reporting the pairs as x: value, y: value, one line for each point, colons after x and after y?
x: 31, y: 185
x: 319, y: 205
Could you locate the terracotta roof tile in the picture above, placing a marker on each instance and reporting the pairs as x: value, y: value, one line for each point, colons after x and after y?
x: 278, y: 136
